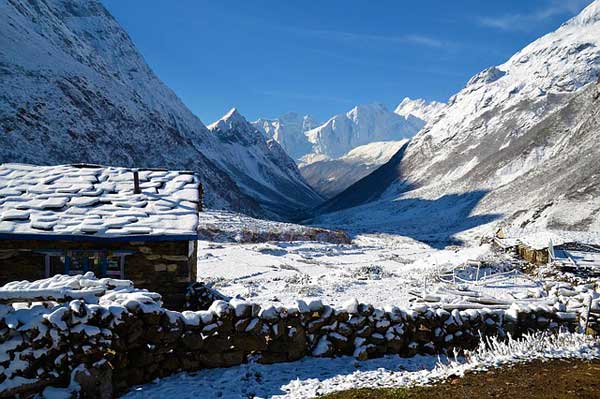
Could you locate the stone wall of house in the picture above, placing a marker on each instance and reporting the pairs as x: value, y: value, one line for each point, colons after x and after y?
x: 166, y: 267
x: 107, y: 349
x: 19, y: 263
x: 535, y: 256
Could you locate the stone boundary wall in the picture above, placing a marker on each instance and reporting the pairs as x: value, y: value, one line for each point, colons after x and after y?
x: 105, y: 350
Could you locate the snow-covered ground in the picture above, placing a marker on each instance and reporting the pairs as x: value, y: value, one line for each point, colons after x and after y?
x: 312, y: 377
x: 375, y: 269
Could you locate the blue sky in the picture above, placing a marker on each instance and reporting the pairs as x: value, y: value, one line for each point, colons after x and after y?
x: 267, y: 57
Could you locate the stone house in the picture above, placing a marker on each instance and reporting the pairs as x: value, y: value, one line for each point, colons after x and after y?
x: 139, y: 225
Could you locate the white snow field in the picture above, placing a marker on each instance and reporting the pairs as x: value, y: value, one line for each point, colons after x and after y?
x: 380, y: 270
x: 312, y: 377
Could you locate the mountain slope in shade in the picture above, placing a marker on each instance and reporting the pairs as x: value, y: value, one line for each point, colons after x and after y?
x: 289, y: 131
x: 261, y: 167
x: 73, y: 88
x: 518, y: 143
x: 329, y: 177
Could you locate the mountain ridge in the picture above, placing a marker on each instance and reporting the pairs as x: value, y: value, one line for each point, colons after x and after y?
x: 510, y: 123
x: 74, y: 89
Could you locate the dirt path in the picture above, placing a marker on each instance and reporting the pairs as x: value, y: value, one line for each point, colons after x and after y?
x: 557, y: 379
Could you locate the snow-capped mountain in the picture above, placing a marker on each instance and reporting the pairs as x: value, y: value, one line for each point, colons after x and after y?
x: 361, y: 125
x: 261, y: 167
x: 518, y: 143
x: 289, y: 131
x: 367, y: 136
x: 73, y: 88
x: 419, y: 108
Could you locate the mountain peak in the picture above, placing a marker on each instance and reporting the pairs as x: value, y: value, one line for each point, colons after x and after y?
x: 232, y: 119
x: 419, y: 108
x: 234, y: 115
x: 372, y: 107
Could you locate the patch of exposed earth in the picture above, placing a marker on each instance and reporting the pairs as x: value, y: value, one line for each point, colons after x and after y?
x: 559, y: 379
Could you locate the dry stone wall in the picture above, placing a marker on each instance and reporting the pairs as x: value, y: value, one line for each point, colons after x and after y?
x: 100, y: 349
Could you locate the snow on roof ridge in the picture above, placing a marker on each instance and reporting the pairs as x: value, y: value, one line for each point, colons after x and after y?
x: 99, y: 201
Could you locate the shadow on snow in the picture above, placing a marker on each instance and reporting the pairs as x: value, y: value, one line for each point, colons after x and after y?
x: 433, y: 222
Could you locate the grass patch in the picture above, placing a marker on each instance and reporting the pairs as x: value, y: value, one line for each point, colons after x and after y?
x: 391, y: 393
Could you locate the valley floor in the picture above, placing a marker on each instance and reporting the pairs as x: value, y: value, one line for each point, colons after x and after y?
x: 376, y: 269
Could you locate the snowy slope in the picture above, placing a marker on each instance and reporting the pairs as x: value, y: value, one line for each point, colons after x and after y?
x: 329, y: 177
x: 288, y: 130
x: 261, y: 167
x: 518, y: 143
x: 73, y: 88
x: 419, y: 108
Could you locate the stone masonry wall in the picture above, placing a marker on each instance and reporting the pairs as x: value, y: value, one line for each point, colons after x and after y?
x: 106, y: 348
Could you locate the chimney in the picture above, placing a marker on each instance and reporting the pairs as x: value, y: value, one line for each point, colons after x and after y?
x: 136, y: 182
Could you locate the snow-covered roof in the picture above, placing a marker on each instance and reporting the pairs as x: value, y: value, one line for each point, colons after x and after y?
x: 96, y: 201
x: 541, y: 239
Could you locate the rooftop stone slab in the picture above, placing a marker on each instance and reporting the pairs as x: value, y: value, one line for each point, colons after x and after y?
x: 91, y: 200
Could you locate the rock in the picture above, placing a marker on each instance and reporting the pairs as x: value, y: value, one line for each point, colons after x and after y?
x: 365, y: 309
x: 269, y: 313
x: 315, y: 325
x: 361, y: 353
x: 241, y: 325
x: 302, y: 306
x: 364, y: 332
x: 242, y: 308
x: 377, y: 338
x: 200, y: 297
x: 345, y: 329
x: 221, y: 308
x: 249, y: 343
x: 254, y: 326
x: 315, y: 305
x: 192, y: 342
x: 357, y: 321
x: 351, y: 306
x: 324, y: 348
x: 341, y: 343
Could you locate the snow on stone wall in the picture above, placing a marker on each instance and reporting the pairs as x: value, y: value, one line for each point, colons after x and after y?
x: 127, y: 338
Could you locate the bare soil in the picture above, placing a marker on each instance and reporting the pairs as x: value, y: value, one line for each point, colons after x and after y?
x: 558, y: 379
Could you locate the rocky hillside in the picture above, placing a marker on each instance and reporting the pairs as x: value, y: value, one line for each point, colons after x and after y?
x: 73, y: 88
x: 516, y: 144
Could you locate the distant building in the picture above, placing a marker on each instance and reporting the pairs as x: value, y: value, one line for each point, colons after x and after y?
x: 117, y: 222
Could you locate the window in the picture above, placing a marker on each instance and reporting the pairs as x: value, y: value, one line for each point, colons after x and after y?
x: 102, y: 263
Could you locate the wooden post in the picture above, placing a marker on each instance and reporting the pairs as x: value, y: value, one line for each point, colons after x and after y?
x: 136, y: 182
x: 47, y: 266
x: 122, y: 266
